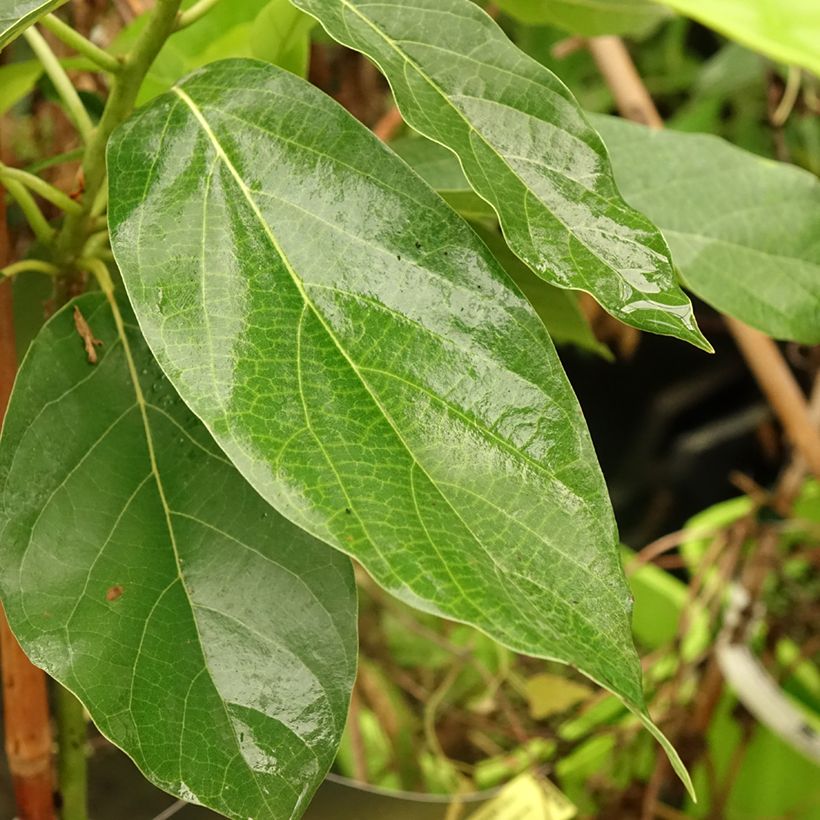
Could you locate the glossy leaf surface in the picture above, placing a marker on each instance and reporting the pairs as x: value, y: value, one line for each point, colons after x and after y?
x: 785, y: 30
x: 744, y: 231
x: 525, y: 147
x: 587, y: 17
x: 361, y: 357
x: 558, y: 309
x: 17, y: 15
x: 208, y: 637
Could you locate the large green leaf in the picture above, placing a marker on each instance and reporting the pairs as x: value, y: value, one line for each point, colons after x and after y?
x: 525, y: 146
x: 361, y: 357
x: 587, y: 17
x: 745, y: 231
x: 17, y: 15
x: 786, y: 30
x: 208, y: 637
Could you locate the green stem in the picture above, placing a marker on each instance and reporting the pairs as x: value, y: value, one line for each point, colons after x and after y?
x: 73, y: 39
x: 124, y: 92
x: 194, y: 13
x: 41, y: 187
x: 34, y: 216
x: 72, y: 763
x: 63, y: 85
x: 57, y: 159
x: 101, y: 274
x: 35, y: 265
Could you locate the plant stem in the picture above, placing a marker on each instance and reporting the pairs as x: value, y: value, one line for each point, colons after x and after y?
x: 63, y: 85
x: 41, y: 187
x: 196, y: 12
x: 75, y: 40
x: 72, y: 764
x: 34, y: 216
x: 27, y: 730
x: 35, y: 265
x: 124, y: 92
x: 57, y: 159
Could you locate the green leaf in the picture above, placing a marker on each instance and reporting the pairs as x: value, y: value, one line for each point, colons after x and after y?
x: 559, y: 309
x: 743, y: 230
x: 441, y: 170
x: 281, y: 36
x: 207, y: 636
x: 225, y: 31
x: 587, y: 17
x: 525, y: 147
x: 17, y: 15
x: 16, y: 81
x: 360, y: 356
x: 785, y: 30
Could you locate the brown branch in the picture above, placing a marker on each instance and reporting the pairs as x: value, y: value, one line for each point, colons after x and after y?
x: 387, y: 127
x: 779, y: 385
x: 626, y: 85
x: 762, y: 355
x: 25, y: 700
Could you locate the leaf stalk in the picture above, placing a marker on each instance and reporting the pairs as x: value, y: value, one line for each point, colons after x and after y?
x: 63, y: 85
x: 41, y: 187
x: 82, y: 45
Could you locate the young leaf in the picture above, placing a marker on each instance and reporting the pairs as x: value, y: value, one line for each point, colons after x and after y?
x: 280, y: 35
x: 207, y: 636
x: 587, y: 17
x: 227, y: 30
x: 17, y: 15
x: 743, y: 230
x: 361, y: 357
x: 16, y: 81
x: 785, y: 30
x: 525, y: 147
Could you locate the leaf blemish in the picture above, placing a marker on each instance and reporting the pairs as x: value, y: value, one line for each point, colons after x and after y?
x: 114, y: 592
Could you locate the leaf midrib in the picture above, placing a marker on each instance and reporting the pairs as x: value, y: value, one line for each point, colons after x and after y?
x: 166, y: 509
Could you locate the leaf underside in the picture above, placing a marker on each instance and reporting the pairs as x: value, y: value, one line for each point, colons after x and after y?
x: 526, y: 148
x: 207, y: 636
x: 744, y: 231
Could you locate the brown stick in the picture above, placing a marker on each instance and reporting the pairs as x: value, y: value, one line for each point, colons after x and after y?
x: 387, y: 127
x: 620, y: 74
x: 25, y: 700
x: 761, y: 353
x: 781, y: 388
